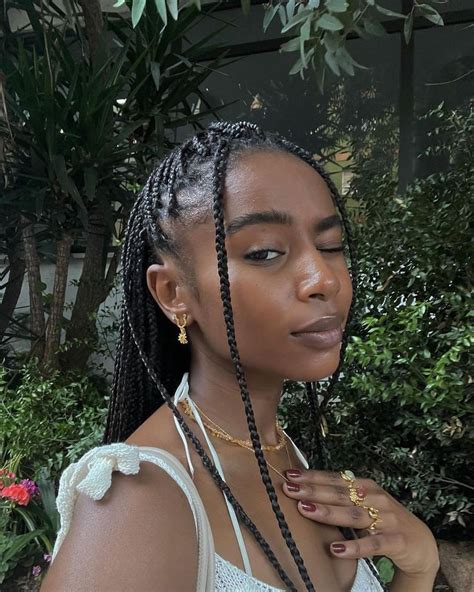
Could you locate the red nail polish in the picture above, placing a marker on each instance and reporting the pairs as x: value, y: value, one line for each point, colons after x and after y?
x: 308, y: 506
x: 338, y: 547
x: 293, y: 473
x: 293, y: 487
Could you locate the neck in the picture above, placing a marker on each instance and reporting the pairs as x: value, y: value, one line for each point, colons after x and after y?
x: 216, y: 391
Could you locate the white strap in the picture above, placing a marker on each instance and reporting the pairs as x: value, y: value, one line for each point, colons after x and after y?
x: 298, y: 452
x: 206, y: 553
x: 183, y: 393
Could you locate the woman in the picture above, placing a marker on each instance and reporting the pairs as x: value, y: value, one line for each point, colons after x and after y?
x: 274, y: 308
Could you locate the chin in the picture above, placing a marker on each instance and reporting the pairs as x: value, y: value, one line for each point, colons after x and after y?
x: 315, y: 370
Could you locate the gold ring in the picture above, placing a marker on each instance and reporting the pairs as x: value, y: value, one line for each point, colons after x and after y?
x: 374, y: 516
x: 355, y: 494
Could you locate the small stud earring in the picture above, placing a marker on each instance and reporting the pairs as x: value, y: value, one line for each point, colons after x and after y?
x: 182, y: 337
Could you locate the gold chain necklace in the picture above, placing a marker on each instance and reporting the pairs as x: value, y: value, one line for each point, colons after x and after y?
x: 219, y: 432
x: 222, y: 434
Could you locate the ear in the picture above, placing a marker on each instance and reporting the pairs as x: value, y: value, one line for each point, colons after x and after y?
x: 168, y: 290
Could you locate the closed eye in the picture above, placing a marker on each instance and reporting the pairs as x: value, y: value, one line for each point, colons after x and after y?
x: 333, y: 250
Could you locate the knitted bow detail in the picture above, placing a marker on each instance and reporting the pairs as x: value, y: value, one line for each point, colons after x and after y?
x: 114, y: 457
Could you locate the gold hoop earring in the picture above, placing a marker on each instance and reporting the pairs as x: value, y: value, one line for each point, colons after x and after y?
x: 182, y: 337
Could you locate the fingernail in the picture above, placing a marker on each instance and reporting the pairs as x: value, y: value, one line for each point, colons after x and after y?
x: 308, y: 506
x: 292, y: 487
x: 293, y: 473
x: 338, y: 547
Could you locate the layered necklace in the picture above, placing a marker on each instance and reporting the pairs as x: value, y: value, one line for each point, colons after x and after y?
x: 220, y: 433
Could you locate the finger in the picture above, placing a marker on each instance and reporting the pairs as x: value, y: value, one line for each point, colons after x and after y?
x: 379, y: 544
x: 337, y: 495
x: 312, y: 477
x: 349, y: 516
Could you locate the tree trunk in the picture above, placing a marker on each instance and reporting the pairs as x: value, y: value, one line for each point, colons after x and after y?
x: 53, y: 332
x: 32, y: 262
x: 12, y: 292
x: 92, y: 290
x: 406, y: 104
x: 94, y: 25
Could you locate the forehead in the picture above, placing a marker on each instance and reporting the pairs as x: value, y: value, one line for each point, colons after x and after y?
x: 276, y: 180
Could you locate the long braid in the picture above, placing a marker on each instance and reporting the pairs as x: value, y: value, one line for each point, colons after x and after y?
x: 220, y: 164
x: 307, y: 157
x: 148, y: 357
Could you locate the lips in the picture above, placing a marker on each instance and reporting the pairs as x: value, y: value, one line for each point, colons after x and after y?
x: 327, y: 323
x: 322, y: 334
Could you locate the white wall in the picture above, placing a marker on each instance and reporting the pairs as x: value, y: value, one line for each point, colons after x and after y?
x: 108, y: 311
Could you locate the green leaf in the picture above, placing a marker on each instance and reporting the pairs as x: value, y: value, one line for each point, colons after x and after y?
x: 408, y: 27
x: 282, y: 15
x: 331, y: 61
x: 137, y: 10
x: 20, y: 541
x: 297, y: 67
x: 119, y: 3
x: 297, y: 18
x: 155, y: 72
x: 374, y: 27
x: 161, y: 8
x: 345, y: 61
x: 386, y: 569
x: 332, y: 41
x: 291, y: 45
x: 337, y: 5
x: 329, y: 23
x: 430, y: 13
x: 269, y: 14
x: 305, y: 30
x: 388, y: 12
x: 67, y: 184
x: 173, y: 8
x: 290, y: 8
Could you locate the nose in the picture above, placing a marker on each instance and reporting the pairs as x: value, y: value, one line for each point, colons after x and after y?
x: 319, y: 279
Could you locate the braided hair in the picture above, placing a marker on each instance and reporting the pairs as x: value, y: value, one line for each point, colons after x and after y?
x: 149, y: 364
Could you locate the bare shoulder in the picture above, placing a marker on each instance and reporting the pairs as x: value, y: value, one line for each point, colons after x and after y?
x: 159, y: 431
x: 139, y: 536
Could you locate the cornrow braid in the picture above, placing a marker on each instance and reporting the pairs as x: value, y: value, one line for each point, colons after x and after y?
x: 148, y: 356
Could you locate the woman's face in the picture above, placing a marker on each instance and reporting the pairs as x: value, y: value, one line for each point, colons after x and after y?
x: 280, y: 224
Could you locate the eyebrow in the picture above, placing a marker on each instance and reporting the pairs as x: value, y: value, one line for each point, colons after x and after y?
x: 277, y: 217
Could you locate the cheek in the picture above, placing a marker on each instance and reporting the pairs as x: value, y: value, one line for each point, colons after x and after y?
x: 258, y: 310
x: 253, y: 312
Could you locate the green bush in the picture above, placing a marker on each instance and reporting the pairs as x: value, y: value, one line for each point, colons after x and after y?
x: 402, y: 411
x: 48, y: 422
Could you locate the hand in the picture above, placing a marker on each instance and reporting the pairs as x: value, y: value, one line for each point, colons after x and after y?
x: 401, y: 536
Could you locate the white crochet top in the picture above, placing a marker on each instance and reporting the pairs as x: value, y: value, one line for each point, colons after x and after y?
x: 92, y: 475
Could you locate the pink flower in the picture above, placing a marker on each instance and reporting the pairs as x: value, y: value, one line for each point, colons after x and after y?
x: 17, y: 493
x: 47, y: 557
x: 31, y: 486
x: 36, y: 570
